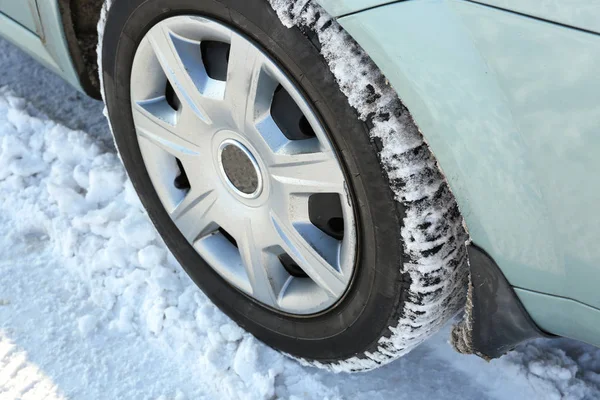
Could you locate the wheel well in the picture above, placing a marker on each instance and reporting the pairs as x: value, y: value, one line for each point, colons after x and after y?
x: 80, y: 18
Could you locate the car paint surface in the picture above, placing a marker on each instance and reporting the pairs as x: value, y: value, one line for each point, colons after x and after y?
x: 46, y: 43
x: 584, y: 14
x: 28, y: 41
x: 562, y: 317
x: 23, y: 12
x: 339, y: 8
x: 510, y: 107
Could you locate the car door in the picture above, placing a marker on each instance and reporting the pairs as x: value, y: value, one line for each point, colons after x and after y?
x: 24, y: 12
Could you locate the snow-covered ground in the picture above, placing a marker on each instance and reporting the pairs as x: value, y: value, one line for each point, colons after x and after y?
x: 92, y: 306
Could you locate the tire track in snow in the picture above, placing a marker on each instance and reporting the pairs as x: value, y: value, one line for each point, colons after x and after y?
x: 21, y: 379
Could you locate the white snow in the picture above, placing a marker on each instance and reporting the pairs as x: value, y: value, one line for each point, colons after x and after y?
x: 92, y: 305
x: 87, y: 324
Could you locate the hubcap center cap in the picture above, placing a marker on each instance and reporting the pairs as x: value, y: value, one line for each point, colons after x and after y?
x: 240, y: 169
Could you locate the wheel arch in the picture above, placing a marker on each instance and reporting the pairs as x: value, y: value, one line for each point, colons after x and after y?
x: 79, y: 19
x: 459, y: 104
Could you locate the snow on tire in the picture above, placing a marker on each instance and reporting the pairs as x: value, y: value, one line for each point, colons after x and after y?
x: 434, y: 236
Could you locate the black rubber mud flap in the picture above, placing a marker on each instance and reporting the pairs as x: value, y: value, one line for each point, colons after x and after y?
x: 495, y: 321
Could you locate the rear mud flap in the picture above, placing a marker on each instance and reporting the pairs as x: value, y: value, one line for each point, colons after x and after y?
x: 494, y: 321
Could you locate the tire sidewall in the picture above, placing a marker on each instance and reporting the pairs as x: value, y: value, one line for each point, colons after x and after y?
x: 373, y: 301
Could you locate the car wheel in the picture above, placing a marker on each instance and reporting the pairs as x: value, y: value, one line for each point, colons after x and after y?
x: 264, y: 183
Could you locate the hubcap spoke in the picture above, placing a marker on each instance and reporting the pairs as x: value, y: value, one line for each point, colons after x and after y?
x: 193, y: 215
x: 308, y: 173
x: 309, y: 260
x: 171, y: 52
x: 253, y: 258
x: 248, y: 89
x: 161, y: 133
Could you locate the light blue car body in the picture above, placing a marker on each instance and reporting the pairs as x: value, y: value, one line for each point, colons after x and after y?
x: 507, y: 94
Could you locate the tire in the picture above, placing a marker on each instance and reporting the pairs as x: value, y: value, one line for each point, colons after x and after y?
x: 389, y: 306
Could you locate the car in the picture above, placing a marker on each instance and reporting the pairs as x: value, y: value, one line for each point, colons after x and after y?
x: 342, y: 177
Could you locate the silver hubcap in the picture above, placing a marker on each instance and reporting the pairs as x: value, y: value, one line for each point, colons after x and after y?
x: 236, y: 185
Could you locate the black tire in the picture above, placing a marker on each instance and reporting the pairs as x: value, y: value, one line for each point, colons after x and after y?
x: 380, y: 290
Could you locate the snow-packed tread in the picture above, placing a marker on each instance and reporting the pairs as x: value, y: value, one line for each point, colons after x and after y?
x: 435, y: 267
